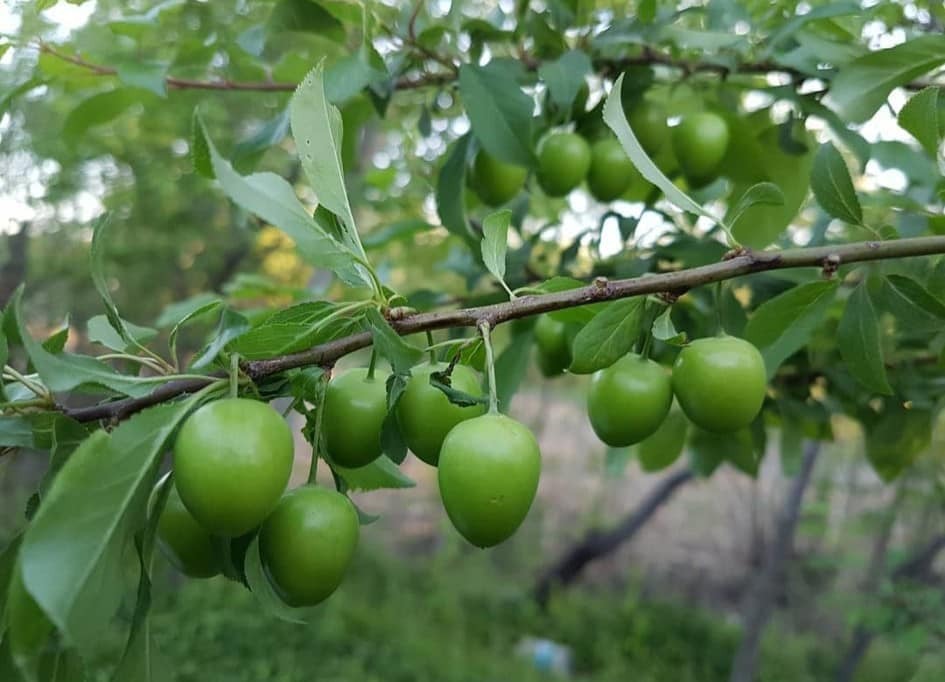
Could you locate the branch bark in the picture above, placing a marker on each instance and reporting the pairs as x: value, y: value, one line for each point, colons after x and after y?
x: 675, y: 283
x: 597, y: 544
x: 649, y: 57
x: 761, y: 597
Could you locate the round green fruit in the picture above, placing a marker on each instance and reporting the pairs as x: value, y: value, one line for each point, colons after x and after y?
x: 611, y: 170
x: 720, y: 383
x: 307, y: 544
x: 554, y: 347
x: 426, y: 415
x: 563, y: 162
x: 355, y: 409
x: 496, y: 182
x: 186, y: 544
x: 648, y: 121
x: 700, y: 142
x: 232, y: 461
x: 661, y: 449
x: 488, y: 476
x: 629, y: 400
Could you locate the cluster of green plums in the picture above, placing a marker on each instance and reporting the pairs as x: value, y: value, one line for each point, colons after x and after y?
x: 720, y: 384
x: 233, y: 458
x: 566, y: 159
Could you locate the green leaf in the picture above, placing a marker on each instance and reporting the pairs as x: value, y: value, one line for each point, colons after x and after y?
x: 231, y: 326
x: 442, y: 382
x: 392, y: 440
x: 305, y: 16
x: 8, y: 566
x: 98, y: 110
x: 859, y: 344
x: 896, y: 439
x: 616, y: 120
x: 450, y: 186
x: 64, y: 371
x: 200, y: 150
x: 16, y: 432
x: 500, y: 113
x: 381, y: 473
x: 351, y: 74
x: 391, y: 345
x: 863, y: 85
x: 511, y: 366
x: 146, y: 75
x: 762, y: 193
x: 708, y: 450
x: 100, y: 330
x: 176, y: 313
x: 783, y: 325
x: 564, y: 77
x: 830, y: 181
x: 316, y: 127
x: 495, y: 235
x: 664, y: 330
x: 917, y: 295
x: 292, y: 330
x: 28, y: 630
x: 211, y: 305
x: 273, y: 199
x: 140, y: 660
x: 268, y: 134
x: 137, y: 25
x: 608, y: 337
x: 97, y: 267
x: 762, y: 224
x: 266, y: 595
x: 579, y: 314
x: 791, y: 26
x: 923, y: 116
x: 72, y: 554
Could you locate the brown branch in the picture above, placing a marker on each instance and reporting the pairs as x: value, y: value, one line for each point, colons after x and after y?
x: 648, y: 57
x: 601, y: 289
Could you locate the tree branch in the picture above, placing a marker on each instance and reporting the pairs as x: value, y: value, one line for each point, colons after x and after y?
x: 649, y: 57
x: 674, y: 283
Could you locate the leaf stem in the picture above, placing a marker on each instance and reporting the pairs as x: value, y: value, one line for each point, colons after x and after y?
x: 234, y: 375
x: 317, y: 436
x: 486, y: 330
x: 147, y: 362
x: 37, y: 388
x: 431, y: 347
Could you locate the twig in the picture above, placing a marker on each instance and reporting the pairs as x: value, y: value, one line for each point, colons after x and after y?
x: 648, y: 57
x: 676, y: 283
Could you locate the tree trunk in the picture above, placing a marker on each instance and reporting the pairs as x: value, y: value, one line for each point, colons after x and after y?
x: 762, y: 594
x: 597, y: 544
x: 916, y: 567
x: 861, y: 639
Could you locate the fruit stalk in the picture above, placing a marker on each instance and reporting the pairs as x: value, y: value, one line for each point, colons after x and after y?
x: 486, y: 330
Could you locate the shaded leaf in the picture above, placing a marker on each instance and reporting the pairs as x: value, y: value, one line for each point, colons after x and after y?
x: 616, y: 120
x: 923, y: 116
x: 381, y: 473
x: 72, y: 554
x: 859, y: 343
x: 781, y: 326
x: 391, y: 345
x: 495, y: 234
x: 608, y: 337
x: 863, y: 85
x: 499, y: 111
x: 831, y: 184
x: 762, y: 193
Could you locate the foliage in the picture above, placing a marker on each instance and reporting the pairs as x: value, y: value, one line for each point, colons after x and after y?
x: 351, y: 140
